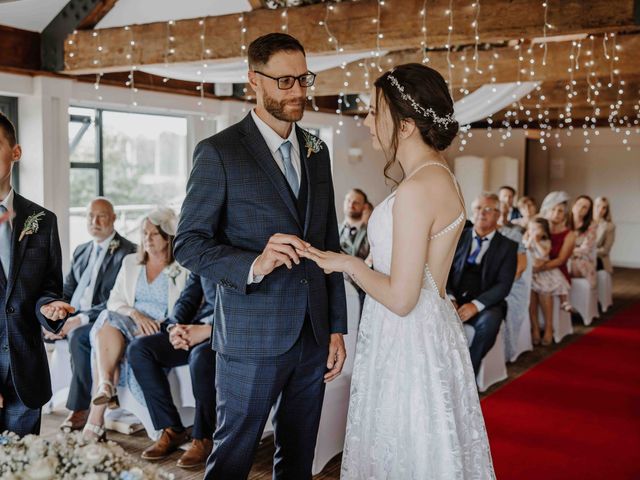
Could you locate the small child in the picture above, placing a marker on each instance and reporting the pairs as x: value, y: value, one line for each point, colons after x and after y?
x: 547, y: 282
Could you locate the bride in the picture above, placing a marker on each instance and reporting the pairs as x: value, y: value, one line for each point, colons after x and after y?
x: 414, y: 411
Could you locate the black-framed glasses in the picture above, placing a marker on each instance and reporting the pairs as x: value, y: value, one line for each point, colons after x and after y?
x: 287, y: 82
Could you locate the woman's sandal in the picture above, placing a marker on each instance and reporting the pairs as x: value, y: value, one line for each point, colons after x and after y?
x: 96, y: 432
x: 104, y: 394
x: 566, y: 306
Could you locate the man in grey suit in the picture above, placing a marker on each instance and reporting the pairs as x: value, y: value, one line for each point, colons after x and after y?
x: 93, y: 272
x: 258, y: 191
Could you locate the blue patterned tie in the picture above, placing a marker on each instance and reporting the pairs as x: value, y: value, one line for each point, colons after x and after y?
x: 289, y: 172
x: 5, y: 243
x: 85, y: 279
x: 474, y: 255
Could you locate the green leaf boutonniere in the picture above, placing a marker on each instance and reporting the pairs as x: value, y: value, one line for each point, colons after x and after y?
x: 113, y: 245
x: 31, y: 225
x: 312, y: 143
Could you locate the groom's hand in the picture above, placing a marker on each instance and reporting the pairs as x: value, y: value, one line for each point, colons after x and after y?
x: 337, y: 356
x: 281, y: 250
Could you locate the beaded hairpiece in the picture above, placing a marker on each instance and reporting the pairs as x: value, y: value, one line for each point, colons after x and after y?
x: 425, y: 112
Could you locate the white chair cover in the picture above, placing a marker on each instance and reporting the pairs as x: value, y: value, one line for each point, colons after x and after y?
x: 517, y: 338
x: 561, y: 321
x: 60, y: 371
x: 584, y: 299
x: 492, y: 368
x: 605, y: 290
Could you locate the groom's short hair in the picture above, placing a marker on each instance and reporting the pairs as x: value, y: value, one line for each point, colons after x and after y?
x: 263, y: 48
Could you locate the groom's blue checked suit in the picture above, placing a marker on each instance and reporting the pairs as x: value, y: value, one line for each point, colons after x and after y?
x: 271, y: 337
x: 34, y: 279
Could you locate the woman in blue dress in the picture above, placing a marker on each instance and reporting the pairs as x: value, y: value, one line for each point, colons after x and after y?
x: 147, y: 286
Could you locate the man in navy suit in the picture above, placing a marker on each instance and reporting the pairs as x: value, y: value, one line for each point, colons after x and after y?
x: 87, y: 286
x: 507, y: 195
x: 483, y: 271
x: 184, y: 340
x: 259, y: 190
x: 30, y: 289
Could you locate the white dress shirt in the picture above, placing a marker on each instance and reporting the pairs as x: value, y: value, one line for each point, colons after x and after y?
x: 86, y: 300
x: 274, y: 141
x: 485, y: 246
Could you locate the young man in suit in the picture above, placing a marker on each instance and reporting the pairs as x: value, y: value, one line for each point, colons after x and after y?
x: 259, y: 190
x: 30, y: 296
x: 93, y: 272
x: 184, y: 340
x: 483, y: 271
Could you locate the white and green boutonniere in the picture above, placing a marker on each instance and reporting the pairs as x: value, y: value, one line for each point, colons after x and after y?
x: 312, y: 143
x: 31, y: 225
x: 113, y: 245
x: 172, y: 271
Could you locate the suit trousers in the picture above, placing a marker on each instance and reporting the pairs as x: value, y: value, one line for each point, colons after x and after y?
x: 486, y: 325
x: 80, y: 350
x: 151, y: 357
x: 247, y: 388
x: 15, y: 416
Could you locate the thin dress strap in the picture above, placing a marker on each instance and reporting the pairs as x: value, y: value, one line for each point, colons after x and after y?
x: 461, y: 217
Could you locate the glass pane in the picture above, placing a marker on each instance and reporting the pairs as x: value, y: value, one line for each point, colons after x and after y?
x: 82, y: 135
x: 83, y: 188
x: 145, y: 164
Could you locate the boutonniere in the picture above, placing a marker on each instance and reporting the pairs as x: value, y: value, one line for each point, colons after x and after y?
x: 313, y: 143
x: 31, y: 225
x: 113, y: 245
x: 172, y: 271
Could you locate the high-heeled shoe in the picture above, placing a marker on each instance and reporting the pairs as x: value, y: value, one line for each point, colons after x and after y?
x: 105, y: 393
x: 547, y: 341
x: 94, y: 432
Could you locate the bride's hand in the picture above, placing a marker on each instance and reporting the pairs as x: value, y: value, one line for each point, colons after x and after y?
x: 328, y: 261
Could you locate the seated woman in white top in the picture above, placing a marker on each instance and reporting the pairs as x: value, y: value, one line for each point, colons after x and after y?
x: 147, y: 286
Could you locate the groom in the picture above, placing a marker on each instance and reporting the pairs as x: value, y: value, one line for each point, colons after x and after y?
x: 258, y: 191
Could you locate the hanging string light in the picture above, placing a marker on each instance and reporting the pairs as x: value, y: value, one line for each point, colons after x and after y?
x: 546, y: 26
x: 73, y: 45
x: 449, y: 12
x: 132, y: 68
x: 476, y: 35
x: 205, y: 65
x: 423, y: 29
x: 285, y: 21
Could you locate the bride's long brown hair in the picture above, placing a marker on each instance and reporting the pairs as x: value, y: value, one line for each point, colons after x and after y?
x: 427, y: 87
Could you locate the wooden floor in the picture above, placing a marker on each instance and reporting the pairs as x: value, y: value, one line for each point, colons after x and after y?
x: 626, y: 289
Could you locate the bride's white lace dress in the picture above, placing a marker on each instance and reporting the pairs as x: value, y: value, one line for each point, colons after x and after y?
x: 414, y: 411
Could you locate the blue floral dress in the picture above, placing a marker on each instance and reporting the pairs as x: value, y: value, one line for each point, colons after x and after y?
x: 152, y: 300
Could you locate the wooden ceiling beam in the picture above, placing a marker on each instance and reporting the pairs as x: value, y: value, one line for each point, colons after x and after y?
x: 352, y: 27
x: 20, y: 48
x: 97, y: 13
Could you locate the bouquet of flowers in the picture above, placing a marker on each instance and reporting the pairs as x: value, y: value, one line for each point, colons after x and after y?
x: 69, y: 456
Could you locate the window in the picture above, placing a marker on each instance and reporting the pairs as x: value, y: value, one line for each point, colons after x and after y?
x: 137, y: 161
x: 9, y: 107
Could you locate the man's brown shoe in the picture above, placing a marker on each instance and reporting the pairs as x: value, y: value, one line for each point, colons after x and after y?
x: 75, y: 421
x: 168, y: 443
x: 197, y: 454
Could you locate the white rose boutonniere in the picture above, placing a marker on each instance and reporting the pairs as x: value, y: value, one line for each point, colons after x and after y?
x: 31, y: 225
x: 172, y: 271
x: 113, y: 245
x: 312, y: 143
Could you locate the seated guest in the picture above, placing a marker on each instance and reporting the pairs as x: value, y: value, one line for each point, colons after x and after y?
x: 528, y: 210
x: 507, y: 195
x: 605, y: 233
x: 353, y: 231
x: 555, y: 208
x: 482, y: 273
x: 94, y: 268
x: 147, y: 287
x: 582, y: 263
x: 184, y: 340
x: 545, y: 283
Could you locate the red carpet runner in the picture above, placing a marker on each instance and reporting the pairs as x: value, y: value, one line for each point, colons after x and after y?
x: 577, y: 414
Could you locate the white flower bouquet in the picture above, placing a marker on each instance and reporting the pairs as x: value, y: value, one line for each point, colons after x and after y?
x: 69, y: 456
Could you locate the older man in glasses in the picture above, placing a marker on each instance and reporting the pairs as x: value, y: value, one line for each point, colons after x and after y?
x: 483, y: 271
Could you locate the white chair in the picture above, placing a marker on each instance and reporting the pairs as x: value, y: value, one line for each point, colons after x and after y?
x: 605, y: 290
x: 333, y: 419
x: 60, y: 371
x: 517, y: 335
x: 561, y: 320
x: 492, y: 368
x: 584, y: 299
x: 181, y: 393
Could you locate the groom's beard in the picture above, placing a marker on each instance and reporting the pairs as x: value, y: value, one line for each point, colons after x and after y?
x: 289, y: 110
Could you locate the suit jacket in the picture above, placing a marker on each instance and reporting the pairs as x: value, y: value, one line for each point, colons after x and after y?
x: 498, y: 268
x: 196, y: 302
x: 123, y: 294
x: 237, y: 198
x: 35, y: 280
x: 106, y: 276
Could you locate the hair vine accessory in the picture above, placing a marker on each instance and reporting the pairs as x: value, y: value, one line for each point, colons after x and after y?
x: 425, y: 112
